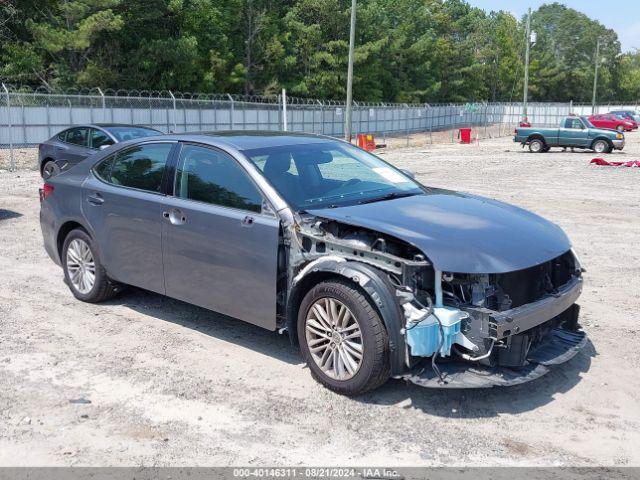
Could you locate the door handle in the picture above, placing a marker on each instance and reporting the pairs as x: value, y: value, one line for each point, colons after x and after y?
x: 95, y: 199
x: 175, y: 216
x: 247, y: 221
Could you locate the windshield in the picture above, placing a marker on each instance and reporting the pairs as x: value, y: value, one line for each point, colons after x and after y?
x: 330, y: 174
x: 123, y: 134
x: 587, y: 122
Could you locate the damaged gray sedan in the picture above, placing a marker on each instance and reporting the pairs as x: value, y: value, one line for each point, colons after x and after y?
x: 373, y: 274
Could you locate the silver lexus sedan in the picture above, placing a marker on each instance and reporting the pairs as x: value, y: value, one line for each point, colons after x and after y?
x: 371, y: 273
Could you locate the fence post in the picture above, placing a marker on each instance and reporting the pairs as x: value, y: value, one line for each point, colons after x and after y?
x: 104, y: 105
x: 284, y: 110
x: 102, y: 95
x: 232, y: 112
x: 12, y: 164
x: 406, y: 122
x: 175, y: 125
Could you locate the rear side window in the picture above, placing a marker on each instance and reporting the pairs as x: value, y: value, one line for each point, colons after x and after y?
x: 211, y: 176
x: 138, y: 167
x: 77, y: 136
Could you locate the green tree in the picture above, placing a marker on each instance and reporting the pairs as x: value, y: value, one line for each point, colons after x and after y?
x: 61, y: 36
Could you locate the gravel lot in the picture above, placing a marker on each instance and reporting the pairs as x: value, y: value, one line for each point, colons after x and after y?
x: 146, y: 380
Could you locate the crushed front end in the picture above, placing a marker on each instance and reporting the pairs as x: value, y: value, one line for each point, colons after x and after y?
x: 452, y: 330
x: 492, y: 329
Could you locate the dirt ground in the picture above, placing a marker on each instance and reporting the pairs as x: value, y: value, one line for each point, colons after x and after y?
x: 144, y: 380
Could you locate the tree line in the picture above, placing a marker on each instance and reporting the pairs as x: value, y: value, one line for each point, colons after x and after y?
x: 406, y: 50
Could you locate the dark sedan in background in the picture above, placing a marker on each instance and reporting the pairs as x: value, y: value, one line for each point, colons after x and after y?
x: 74, y: 144
x: 372, y: 273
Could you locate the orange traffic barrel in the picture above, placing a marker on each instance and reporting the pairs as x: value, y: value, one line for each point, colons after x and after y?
x: 366, y: 141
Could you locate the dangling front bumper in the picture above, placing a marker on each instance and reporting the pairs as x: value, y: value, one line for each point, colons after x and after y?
x: 562, y: 346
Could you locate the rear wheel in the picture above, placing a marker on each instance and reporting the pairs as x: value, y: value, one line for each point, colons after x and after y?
x: 601, y: 146
x: 342, y: 338
x: 620, y: 128
x: 50, y: 170
x: 537, y: 146
x: 83, y: 271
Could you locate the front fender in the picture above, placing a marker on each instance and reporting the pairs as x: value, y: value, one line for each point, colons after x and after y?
x: 369, y: 279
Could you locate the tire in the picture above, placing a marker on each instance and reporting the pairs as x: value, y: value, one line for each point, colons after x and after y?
x: 373, y: 368
x: 601, y: 146
x: 537, y: 146
x: 546, y: 149
x: 76, y: 265
x: 620, y: 128
x: 50, y: 169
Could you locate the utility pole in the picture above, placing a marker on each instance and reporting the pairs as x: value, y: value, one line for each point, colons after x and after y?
x: 352, y: 41
x: 526, y: 66
x: 595, y: 79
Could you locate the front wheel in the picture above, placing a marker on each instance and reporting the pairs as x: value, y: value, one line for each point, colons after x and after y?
x: 342, y: 338
x: 50, y: 170
x: 537, y: 146
x: 601, y: 146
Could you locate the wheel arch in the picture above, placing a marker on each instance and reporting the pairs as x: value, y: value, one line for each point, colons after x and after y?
x: 536, y: 136
x: 64, y: 230
x: 45, y: 160
x: 606, y: 139
x: 370, y: 281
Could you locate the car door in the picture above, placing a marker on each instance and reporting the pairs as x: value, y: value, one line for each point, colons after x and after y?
x: 75, y: 147
x: 123, y: 203
x: 574, y: 133
x: 220, y: 244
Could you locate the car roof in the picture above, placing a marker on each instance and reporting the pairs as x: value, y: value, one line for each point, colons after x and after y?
x: 251, y: 139
x: 111, y: 125
x: 108, y: 125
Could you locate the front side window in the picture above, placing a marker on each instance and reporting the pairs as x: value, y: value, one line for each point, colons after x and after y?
x: 138, y: 167
x: 77, y: 136
x: 573, y: 123
x: 330, y: 174
x: 99, y: 138
x: 211, y: 176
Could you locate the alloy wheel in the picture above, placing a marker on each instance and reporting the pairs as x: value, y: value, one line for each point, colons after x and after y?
x: 49, y: 170
x: 81, y: 266
x: 334, y: 338
x: 600, y: 147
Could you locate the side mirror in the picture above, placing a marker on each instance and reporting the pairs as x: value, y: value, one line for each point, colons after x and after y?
x: 408, y: 173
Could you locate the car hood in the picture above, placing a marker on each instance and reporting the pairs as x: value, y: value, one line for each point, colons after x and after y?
x: 602, y: 131
x: 460, y: 232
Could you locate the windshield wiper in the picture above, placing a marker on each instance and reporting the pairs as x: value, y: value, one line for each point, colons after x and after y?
x: 388, y: 196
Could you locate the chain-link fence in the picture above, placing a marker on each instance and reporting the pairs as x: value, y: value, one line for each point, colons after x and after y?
x: 30, y: 117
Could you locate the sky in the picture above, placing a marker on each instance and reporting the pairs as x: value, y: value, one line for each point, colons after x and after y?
x: 624, y: 17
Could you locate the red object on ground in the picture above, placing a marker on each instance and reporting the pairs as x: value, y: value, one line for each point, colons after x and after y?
x: 465, y: 135
x: 604, y: 163
x: 366, y: 142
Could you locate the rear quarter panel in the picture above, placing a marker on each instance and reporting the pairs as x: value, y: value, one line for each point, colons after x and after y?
x: 62, y: 206
x: 550, y: 135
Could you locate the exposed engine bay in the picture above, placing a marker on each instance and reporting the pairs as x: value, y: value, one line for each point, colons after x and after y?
x: 457, y: 329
